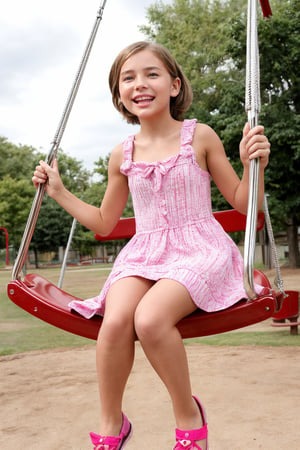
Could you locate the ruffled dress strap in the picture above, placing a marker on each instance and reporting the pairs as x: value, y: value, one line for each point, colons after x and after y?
x: 187, y: 133
x: 127, y: 154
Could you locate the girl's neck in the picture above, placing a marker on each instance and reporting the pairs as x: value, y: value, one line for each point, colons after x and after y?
x: 158, y: 128
x: 157, y: 141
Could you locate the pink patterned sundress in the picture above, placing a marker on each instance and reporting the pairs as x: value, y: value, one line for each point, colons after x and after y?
x: 177, y: 236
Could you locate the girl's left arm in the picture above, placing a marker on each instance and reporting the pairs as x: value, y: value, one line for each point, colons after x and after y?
x: 253, y: 145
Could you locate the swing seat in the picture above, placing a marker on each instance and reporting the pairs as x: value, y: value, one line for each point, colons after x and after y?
x: 44, y: 300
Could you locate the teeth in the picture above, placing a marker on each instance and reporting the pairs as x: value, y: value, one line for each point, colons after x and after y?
x: 143, y: 99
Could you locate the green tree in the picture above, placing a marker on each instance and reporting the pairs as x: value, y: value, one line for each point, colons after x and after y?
x: 15, y: 200
x: 17, y: 192
x: 208, y: 40
x: 196, y: 32
x: 101, y: 168
x: 15, y: 160
x: 54, y: 223
x: 52, y: 228
x: 279, y: 39
x: 73, y: 174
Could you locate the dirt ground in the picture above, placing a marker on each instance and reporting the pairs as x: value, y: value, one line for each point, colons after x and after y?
x: 49, y: 399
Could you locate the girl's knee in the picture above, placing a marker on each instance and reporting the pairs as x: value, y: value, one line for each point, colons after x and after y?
x: 116, y: 327
x: 148, y: 326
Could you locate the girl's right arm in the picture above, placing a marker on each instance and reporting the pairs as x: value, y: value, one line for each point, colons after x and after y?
x: 100, y: 220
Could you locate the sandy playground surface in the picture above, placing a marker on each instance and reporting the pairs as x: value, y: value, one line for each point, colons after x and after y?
x: 49, y: 399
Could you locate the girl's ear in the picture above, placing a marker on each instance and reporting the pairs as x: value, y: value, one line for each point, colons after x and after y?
x: 175, y: 88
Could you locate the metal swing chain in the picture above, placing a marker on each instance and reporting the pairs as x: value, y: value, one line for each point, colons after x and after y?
x: 37, y: 201
x: 278, y: 279
x: 252, y: 107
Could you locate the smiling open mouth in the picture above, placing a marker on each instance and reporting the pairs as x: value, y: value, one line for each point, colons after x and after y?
x: 143, y: 99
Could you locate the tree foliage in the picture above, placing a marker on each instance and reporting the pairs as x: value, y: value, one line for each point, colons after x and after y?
x: 17, y: 192
x: 53, y: 225
x: 15, y: 199
x: 208, y: 38
x: 15, y: 160
x: 280, y: 89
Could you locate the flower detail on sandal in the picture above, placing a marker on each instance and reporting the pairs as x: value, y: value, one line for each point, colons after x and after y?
x: 186, y: 440
x: 113, y: 442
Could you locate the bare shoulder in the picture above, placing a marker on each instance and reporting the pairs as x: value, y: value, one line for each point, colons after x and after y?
x: 205, y: 142
x: 117, y: 154
x: 116, y: 159
x: 205, y: 135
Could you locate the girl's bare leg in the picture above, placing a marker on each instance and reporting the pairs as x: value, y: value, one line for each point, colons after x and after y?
x: 115, y: 349
x: 155, y: 322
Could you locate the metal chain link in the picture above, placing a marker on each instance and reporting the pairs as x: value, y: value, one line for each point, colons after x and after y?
x: 278, y: 280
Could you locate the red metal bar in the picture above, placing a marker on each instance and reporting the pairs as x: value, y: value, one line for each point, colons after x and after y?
x: 290, y: 306
x: 231, y: 220
x: 266, y: 8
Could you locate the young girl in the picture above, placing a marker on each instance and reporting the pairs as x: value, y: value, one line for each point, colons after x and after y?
x: 180, y: 258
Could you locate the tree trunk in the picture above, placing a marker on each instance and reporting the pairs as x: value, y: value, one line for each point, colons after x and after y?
x: 293, y: 244
x: 36, y: 258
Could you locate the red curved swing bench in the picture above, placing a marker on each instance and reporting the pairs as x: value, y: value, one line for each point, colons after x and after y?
x: 44, y: 300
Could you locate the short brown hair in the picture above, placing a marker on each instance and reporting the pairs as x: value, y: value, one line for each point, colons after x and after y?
x: 178, y: 105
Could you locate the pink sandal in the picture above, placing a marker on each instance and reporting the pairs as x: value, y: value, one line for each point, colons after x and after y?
x: 185, y: 440
x: 113, y: 442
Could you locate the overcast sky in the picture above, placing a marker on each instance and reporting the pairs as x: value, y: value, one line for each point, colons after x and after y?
x: 41, y: 47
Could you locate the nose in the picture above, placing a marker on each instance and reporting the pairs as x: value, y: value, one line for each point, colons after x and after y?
x: 140, y: 82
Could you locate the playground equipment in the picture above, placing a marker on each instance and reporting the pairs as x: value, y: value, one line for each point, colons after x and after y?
x: 46, y: 301
x: 289, y: 312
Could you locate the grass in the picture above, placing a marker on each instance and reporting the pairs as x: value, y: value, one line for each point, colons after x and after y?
x: 270, y: 338
x: 21, y: 332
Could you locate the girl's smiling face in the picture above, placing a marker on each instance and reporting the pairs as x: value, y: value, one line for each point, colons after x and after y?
x: 146, y: 86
